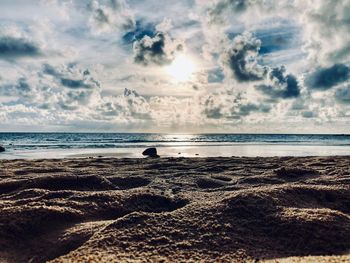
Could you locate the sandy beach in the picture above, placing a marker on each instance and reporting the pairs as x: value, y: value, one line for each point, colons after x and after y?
x: 276, y: 209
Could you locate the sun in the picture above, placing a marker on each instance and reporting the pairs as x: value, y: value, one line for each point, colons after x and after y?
x: 181, y: 69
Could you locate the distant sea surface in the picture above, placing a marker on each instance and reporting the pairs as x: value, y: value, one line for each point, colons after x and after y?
x: 61, y: 145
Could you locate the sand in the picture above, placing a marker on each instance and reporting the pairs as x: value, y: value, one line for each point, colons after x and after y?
x: 282, y: 209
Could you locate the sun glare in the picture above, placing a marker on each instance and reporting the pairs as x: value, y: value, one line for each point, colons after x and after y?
x: 181, y: 69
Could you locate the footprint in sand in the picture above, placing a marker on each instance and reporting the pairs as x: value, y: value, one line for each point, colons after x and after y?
x: 206, y: 183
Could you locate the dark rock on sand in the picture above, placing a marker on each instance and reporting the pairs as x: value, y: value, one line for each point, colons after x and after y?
x: 151, y: 152
x: 2, y: 148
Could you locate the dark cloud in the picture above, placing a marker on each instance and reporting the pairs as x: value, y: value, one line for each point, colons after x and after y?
x: 80, y: 80
x: 80, y: 96
x: 18, y: 88
x: 111, y: 14
x: 71, y: 100
x: 22, y: 85
x: 230, y: 105
x: 42, y: 95
x: 110, y: 109
x: 100, y: 16
x: 309, y: 114
x: 158, y: 50
x: 130, y: 93
x: 67, y: 107
x: 281, y: 85
x: 129, y: 105
x: 326, y: 78
x: 11, y: 47
x: 116, y: 4
x: 212, y: 108
x: 247, y: 109
x: 75, y: 99
x: 241, y: 59
x: 75, y: 83
x: 236, y: 6
x: 213, y: 113
x: 50, y: 70
x: 141, y: 29
x: 342, y: 95
x: 215, y: 76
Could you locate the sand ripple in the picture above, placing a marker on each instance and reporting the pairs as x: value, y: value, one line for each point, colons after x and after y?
x: 175, y: 209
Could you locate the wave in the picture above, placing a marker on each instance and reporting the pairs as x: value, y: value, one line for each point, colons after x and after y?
x: 31, y: 141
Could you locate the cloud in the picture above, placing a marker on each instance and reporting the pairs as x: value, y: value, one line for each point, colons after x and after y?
x: 164, y: 26
x: 213, y: 107
x: 19, y: 88
x: 326, y: 78
x: 60, y: 89
x: 230, y: 106
x: 280, y: 85
x: 309, y: 114
x: 141, y: 29
x: 242, y: 62
x: 217, y: 10
x: 76, y: 83
x: 222, y: 12
x: 215, y: 75
x: 239, y: 78
x: 22, y: 85
x: 342, y: 95
x: 158, y: 50
x: 326, y: 30
x: 240, y: 59
x: 50, y: 70
x: 72, y: 77
x: 247, y: 109
x: 136, y: 104
x: 51, y: 88
x: 325, y: 26
x: 15, y: 42
x: 17, y: 47
x: 130, y: 105
x: 74, y: 100
x: 110, y: 15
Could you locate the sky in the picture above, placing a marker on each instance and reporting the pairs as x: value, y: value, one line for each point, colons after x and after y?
x: 185, y: 66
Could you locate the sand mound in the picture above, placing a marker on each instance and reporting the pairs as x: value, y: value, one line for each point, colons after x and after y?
x: 295, y: 172
x: 245, y: 209
x: 291, y: 220
x: 209, y: 183
x: 129, y: 182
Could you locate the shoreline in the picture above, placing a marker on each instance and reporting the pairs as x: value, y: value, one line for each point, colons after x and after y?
x: 226, y: 209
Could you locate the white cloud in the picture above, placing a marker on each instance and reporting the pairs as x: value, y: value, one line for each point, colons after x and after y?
x: 159, y: 50
x: 326, y: 30
x: 240, y: 58
x: 68, y: 65
x: 110, y: 15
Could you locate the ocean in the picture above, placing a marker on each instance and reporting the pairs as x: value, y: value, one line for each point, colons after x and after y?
x: 128, y: 145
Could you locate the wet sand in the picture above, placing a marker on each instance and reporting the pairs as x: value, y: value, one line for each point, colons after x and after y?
x: 278, y: 209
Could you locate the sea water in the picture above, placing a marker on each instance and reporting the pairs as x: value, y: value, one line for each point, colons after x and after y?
x: 61, y: 145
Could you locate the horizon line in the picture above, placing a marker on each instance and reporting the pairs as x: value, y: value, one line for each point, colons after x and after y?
x: 174, y: 133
